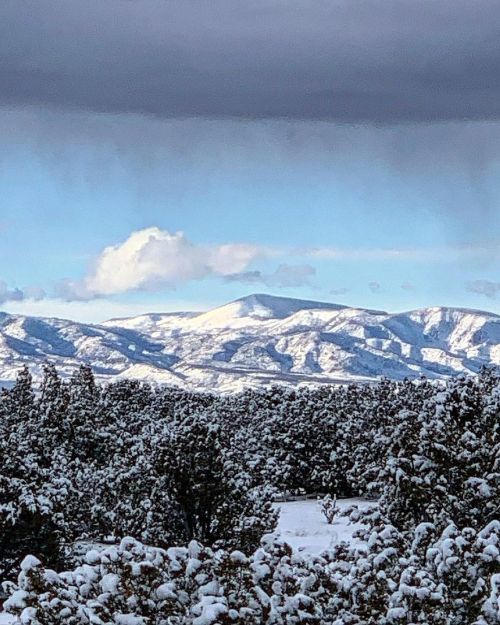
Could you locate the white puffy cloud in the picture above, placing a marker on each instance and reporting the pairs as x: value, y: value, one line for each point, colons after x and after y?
x: 152, y: 258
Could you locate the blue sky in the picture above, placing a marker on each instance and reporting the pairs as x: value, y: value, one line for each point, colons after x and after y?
x: 348, y: 153
x: 330, y: 213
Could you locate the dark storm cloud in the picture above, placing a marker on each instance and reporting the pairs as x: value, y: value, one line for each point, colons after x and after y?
x: 350, y: 61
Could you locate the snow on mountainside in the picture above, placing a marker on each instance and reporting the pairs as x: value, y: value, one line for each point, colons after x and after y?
x: 256, y: 341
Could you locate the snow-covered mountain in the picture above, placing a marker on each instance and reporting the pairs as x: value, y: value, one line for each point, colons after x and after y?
x: 258, y: 340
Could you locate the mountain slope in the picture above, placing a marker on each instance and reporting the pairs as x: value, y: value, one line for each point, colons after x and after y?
x: 258, y: 340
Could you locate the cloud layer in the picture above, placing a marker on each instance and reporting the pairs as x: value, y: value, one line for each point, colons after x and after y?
x: 18, y: 295
x: 484, y: 287
x: 152, y: 259
x: 387, y: 62
x: 9, y: 295
x: 285, y: 276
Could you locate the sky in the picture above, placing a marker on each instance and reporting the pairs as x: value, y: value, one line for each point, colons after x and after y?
x: 161, y: 155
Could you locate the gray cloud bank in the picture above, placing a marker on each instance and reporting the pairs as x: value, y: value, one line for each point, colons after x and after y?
x: 284, y: 276
x: 484, y: 287
x: 19, y: 295
x: 366, y: 61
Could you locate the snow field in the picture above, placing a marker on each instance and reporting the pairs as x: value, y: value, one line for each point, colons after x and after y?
x: 304, y: 528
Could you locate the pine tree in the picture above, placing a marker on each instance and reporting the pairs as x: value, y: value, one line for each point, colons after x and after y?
x: 211, y: 492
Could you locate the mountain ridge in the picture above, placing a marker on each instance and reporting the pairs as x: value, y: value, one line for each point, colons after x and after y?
x: 258, y: 340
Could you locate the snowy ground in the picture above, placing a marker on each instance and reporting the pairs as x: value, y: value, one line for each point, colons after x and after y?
x: 304, y: 528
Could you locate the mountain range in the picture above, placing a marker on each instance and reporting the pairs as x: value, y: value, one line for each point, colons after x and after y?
x: 255, y: 341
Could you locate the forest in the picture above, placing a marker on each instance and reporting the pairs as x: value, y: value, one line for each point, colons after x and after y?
x: 132, y: 504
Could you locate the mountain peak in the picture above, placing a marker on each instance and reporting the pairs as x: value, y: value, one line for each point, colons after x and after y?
x: 258, y: 340
x: 265, y: 306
